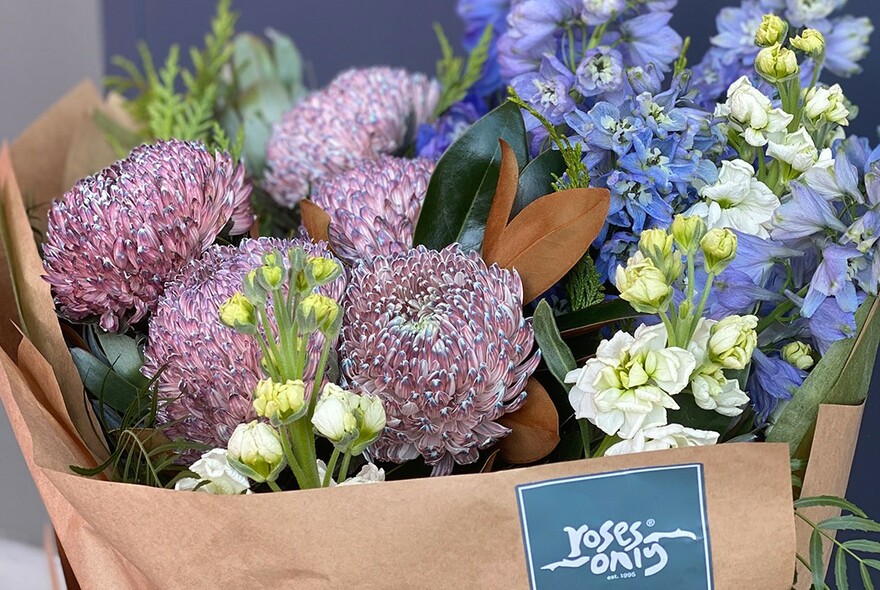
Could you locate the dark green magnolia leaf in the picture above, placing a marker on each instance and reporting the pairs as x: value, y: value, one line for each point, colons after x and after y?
x: 103, y: 382
x: 594, y: 317
x: 553, y: 350
x: 832, y: 501
x: 461, y: 189
x: 536, y: 179
x: 842, y: 376
x: 840, y: 577
x: 693, y: 416
x: 817, y: 565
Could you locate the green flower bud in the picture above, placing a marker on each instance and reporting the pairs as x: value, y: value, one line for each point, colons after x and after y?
x: 811, y: 42
x: 318, y: 312
x: 253, y: 290
x: 777, y: 64
x: 239, y: 313
x: 773, y: 30
x: 323, y: 270
x: 732, y: 341
x: 370, y: 415
x: 688, y: 231
x: 798, y: 354
x: 643, y: 285
x: 281, y: 403
x: 255, y: 450
x: 271, y: 274
x: 656, y: 245
x: 719, y: 249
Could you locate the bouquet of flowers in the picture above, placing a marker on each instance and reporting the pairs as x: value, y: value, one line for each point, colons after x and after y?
x: 569, y: 248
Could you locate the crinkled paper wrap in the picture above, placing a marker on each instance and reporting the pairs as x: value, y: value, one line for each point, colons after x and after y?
x: 458, y: 531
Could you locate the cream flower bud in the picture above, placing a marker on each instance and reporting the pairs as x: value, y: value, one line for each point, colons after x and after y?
x: 216, y: 476
x: 811, y: 42
x: 798, y: 354
x: 719, y: 249
x: 643, y: 285
x: 238, y: 313
x: 334, y: 416
x: 773, y: 30
x: 795, y: 149
x: 370, y: 415
x: 688, y: 231
x: 776, y: 63
x: 656, y: 245
x: 733, y: 340
x: 255, y: 450
x: 281, y: 403
x: 320, y: 312
x: 826, y: 104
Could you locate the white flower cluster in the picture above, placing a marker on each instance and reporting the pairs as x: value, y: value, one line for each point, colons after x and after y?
x: 628, y: 387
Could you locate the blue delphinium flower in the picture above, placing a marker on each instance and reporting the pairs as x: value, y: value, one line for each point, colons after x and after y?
x: 476, y: 16
x: 829, y: 324
x: 772, y: 380
x: 434, y: 138
x: 846, y: 44
x: 600, y: 71
x: 648, y: 39
x: 533, y: 28
x: 804, y: 215
x: 547, y: 90
x: 833, y: 278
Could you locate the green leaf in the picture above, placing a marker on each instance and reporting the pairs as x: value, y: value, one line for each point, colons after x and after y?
x: 817, y: 565
x: 104, y: 384
x: 693, y: 416
x: 840, y: 577
x: 594, y: 317
x: 866, y: 577
x: 536, y: 179
x: 842, y: 376
x: 553, y: 350
x: 463, y: 184
x: 829, y: 501
x: 862, y: 545
x: 125, y: 357
x: 850, y: 523
x: 873, y: 563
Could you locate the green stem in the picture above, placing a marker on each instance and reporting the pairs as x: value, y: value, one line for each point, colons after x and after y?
x: 670, y: 331
x: 291, y: 458
x: 586, y: 437
x: 276, y: 357
x: 343, y: 469
x: 319, y: 377
x: 609, y: 441
x: 710, y: 280
x: 274, y: 486
x: 779, y: 311
x: 304, y: 450
x: 330, y: 467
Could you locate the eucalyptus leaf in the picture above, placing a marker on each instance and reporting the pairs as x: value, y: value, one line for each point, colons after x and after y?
x: 842, y: 376
x: 463, y: 184
x: 124, y: 356
x: 103, y: 382
x: 536, y: 179
x: 554, y: 351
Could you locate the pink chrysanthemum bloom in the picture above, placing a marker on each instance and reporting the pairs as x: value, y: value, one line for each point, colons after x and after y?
x: 361, y: 115
x: 117, y: 237
x: 441, y: 339
x: 210, y: 370
x: 374, y: 206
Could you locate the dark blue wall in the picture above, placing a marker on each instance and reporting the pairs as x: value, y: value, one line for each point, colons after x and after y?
x: 335, y: 34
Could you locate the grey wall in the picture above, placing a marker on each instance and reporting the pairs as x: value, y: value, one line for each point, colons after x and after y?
x: 46, y: 46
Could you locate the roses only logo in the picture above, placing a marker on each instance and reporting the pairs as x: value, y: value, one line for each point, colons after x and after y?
x: 642, y: 529
x: 618, y: 547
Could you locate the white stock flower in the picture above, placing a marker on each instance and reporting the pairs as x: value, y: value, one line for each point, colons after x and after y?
x: 751, y: 113
x: 826, y: 104
x: 795, y: 149
x: 255, y: 450
x: 214, y: 468
x: 800, y: 12
x: 629, y: 385
x: 369, y: 473
x: 661, y: 438
x: 711, y: 389
x: 738, y: 201
x: 334, y: 416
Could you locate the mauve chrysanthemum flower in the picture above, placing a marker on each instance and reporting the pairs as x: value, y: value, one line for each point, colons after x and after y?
x: 361, y: 115
x: 117, y: 237
x: 210, y: 370
x: 374, y: 206
x: 441, y: 339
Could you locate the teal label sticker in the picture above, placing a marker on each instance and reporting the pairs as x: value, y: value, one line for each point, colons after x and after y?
x: 641, y: 529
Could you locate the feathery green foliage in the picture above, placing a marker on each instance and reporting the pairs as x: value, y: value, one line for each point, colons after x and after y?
x: 166, y: 111
x: 456, y: 75
x: 584, y: 285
